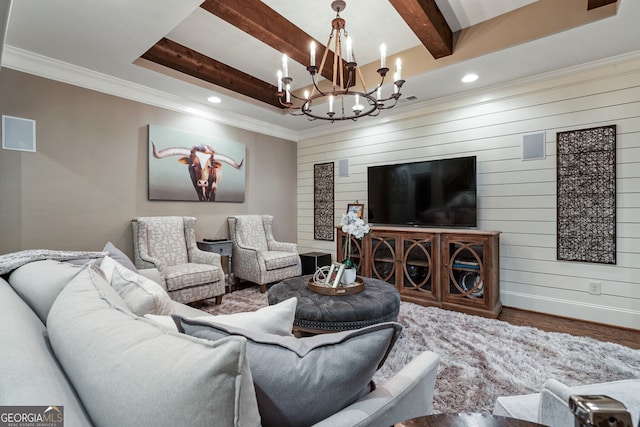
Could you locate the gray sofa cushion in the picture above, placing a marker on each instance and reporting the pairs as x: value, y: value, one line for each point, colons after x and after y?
x: 29, y: 372
x: 300, y: 381
x: 129, y: 372
x: 39, y: 283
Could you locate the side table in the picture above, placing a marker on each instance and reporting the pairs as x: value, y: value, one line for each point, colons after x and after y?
x: 311, y: 261
x: 224, y: 248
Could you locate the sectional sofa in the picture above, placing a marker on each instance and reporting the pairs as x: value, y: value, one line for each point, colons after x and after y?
x: 110, y: 350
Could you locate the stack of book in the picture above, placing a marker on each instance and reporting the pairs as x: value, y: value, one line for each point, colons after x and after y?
x: 469, y: 265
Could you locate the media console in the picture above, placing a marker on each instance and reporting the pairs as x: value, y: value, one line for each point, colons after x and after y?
x: 453, y: 269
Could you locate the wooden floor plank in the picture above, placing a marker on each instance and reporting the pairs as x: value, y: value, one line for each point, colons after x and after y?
x: 550, y: 323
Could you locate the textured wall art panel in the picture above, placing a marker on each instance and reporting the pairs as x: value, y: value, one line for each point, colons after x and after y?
x: 323, y: 202
x: 587, y: 195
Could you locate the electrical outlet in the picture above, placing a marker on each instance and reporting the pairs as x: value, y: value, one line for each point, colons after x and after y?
x: 594, y: 288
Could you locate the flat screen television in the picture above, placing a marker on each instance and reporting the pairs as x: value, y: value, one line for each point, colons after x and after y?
x: 436, y: 193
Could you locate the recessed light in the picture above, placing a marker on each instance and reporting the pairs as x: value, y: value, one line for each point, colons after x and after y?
x: 470, y: 78
x: 214, y: 100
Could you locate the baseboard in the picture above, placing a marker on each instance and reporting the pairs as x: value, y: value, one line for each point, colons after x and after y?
x: 590, y: 312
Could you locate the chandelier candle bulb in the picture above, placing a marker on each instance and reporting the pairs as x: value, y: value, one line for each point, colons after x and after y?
x: 383, y: 56
x: 398, y: 75
x: 288, y: 96
x: 279, y: 81
x: 331, y: 104
x: 312, y: 54
x: 349, y: 50
x: 379, y: 93
x: 285, y: 66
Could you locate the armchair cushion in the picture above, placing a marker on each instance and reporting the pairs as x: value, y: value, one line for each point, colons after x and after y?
x: 274, y: 260
x: 331, y: 370
x: 185, y: 275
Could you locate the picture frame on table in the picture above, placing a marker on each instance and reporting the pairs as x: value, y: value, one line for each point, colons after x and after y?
x: 339, y: 269
x: 358, y: 208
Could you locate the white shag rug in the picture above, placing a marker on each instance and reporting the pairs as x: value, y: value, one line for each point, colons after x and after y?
x: 482, y: 359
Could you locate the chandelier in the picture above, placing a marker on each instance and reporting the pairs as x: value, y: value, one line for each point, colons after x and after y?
x: 345, y: 100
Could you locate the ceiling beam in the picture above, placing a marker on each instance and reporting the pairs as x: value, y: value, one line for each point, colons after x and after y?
x: 180, y: 58
x: 427, y: 22
x: 265, y: 24
x: 592, y: 4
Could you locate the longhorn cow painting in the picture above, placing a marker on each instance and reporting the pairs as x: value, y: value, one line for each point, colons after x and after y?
x: 190, y: 167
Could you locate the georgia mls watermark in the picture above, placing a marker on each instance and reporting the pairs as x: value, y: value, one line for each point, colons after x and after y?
x: 31, y: 416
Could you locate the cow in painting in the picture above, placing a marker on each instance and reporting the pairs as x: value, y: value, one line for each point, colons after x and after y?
x: 205, y: 167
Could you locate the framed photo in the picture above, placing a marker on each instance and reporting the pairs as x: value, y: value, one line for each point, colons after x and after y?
x: 339, y: 269
x: 358, y: 208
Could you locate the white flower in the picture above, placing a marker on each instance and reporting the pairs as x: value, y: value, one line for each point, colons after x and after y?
x: 353, y: 225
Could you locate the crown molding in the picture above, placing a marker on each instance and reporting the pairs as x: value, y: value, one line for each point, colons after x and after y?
x: 479, y: 96
x: 42, y: 66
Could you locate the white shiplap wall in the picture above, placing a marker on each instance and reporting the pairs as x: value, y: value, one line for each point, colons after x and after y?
x: 514, y: 196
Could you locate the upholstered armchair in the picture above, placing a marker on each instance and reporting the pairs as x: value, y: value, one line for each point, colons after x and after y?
x: 168, y: 243
x: 257, y: 256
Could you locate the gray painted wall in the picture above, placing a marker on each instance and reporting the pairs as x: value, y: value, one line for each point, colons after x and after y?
x: 88, y: 177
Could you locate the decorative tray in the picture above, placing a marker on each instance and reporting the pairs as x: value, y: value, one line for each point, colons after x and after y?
x: 352, y: 288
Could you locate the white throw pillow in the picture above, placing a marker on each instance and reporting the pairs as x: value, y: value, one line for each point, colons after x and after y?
x: 274, y: 319
x: 142, y: 295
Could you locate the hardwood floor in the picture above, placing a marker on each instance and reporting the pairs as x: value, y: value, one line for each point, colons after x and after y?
x: 546, y: 322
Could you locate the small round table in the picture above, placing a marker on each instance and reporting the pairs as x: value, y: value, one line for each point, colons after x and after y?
x: 466, y: 420
x: 316, y: 313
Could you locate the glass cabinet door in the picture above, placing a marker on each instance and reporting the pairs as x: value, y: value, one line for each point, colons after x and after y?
x: 466, y: 270
x: 418, y: 266
x: 383, y: 256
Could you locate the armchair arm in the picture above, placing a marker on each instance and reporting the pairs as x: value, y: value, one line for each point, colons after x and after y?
x: 199, y: 256
x: 406, y: 395
x: 282, y: 246
x: 144, y: 256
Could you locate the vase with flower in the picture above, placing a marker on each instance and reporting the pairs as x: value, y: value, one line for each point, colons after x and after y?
x: 356, y: 228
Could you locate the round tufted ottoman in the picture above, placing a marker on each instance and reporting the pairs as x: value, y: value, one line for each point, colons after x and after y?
x: 316, y: 313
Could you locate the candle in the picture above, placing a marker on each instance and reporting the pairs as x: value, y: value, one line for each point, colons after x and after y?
x: 383, y: 56
x: 312, y: 58
x: 331, y: 104
x: 306, y: 94
x: 279, y: 81
x: 288, y: 99
x: 398, y: 69
x: 349, y: 50
x: 379, y: 94
x: 285, y: 66
x: 356, y: 103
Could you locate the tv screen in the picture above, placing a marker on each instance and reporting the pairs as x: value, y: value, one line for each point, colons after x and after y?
x: 437, y: 193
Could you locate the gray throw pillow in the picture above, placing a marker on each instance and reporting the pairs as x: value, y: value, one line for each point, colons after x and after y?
x: 301, y: 381
x: 119, y: 256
